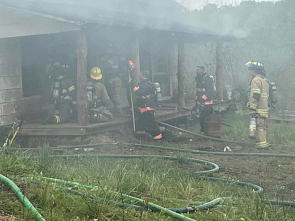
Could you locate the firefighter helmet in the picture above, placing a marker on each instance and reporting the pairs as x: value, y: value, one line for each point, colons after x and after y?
x: 255, y: 65
x: 95, y: 73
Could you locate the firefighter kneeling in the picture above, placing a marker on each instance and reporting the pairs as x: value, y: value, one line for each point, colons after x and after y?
x: 99, y: 102
x: 144, y: 102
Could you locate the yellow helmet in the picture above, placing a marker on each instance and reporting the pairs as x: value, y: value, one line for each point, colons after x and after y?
x: 95, y: 73
x: 255, y: 65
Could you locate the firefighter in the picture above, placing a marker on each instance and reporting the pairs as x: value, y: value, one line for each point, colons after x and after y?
x: 144, y: 101
x: 62, y: 95
x: 205, y: 90
x: 99, y: 102
x: 259, y: 102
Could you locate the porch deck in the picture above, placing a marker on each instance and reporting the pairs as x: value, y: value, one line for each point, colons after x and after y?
x: 164, y: 113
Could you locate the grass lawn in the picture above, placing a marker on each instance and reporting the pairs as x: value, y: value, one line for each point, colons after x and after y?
x: 164, y: 182
x: 167, y: 183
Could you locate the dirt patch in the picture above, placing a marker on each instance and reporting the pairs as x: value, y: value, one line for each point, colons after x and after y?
x: 7, y: 218
x: 274, y: 174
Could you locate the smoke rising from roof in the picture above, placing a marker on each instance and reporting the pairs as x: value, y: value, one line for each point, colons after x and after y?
x: 199, y: 4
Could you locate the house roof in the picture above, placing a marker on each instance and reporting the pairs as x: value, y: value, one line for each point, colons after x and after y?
x: 163, y: 15
x: 14, y: 23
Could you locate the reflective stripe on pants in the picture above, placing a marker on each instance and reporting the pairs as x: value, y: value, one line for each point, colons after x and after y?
x: 261, y: 132
x: 262, y: 112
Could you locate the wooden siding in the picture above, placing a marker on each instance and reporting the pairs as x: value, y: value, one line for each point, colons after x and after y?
x: 10, y: 79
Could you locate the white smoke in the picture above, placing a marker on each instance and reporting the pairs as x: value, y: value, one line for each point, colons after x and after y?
x: 199, y: 4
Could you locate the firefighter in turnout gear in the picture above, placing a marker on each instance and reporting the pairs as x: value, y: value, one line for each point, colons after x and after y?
x: 259, y: 102
x: 99, y: 102
x: 62, y: 95
x: 144, y: 102
x: 204, y: 95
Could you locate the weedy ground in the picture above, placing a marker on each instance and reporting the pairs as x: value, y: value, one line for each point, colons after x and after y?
x: 279, y: 133
x: 164, y: 182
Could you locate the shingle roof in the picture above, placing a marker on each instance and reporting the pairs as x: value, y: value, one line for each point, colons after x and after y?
x: 166, y: 15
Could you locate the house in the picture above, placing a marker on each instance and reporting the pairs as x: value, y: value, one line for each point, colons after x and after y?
x: 83, y: 34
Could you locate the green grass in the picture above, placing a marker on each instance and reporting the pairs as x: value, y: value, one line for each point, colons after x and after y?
x: 167, y: 183
x: 282, y: 133
x: 279, y: 133
x: 239, y: 126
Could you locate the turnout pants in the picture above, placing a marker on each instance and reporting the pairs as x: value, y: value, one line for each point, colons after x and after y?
x: 205, y: 111
x: 261, y: 132
x: 146, y: 121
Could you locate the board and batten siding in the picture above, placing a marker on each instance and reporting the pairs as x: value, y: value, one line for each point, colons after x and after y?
x: 10, y: 79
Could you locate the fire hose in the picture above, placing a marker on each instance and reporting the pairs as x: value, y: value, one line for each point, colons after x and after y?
x: 23, y: 199
x: 173, y: 212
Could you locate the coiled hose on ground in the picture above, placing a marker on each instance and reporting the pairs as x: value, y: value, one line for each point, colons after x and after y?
x: 173, y: 212
x: 190, y: 209
x: 154, y: 207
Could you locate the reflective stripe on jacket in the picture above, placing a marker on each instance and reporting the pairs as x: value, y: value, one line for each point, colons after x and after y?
x: 145, y: 109
x: 205, y: 89
x: 259, y: 96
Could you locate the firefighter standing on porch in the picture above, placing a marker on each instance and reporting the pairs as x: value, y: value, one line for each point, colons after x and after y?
x: 259, y: 102
x: 204, y: 96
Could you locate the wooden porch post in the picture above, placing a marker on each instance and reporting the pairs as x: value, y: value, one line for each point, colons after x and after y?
x: 137, y: 60
x: 82, y: 104
x: 172, y: 69
x: 219, y: 68
x: 180, y: 76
